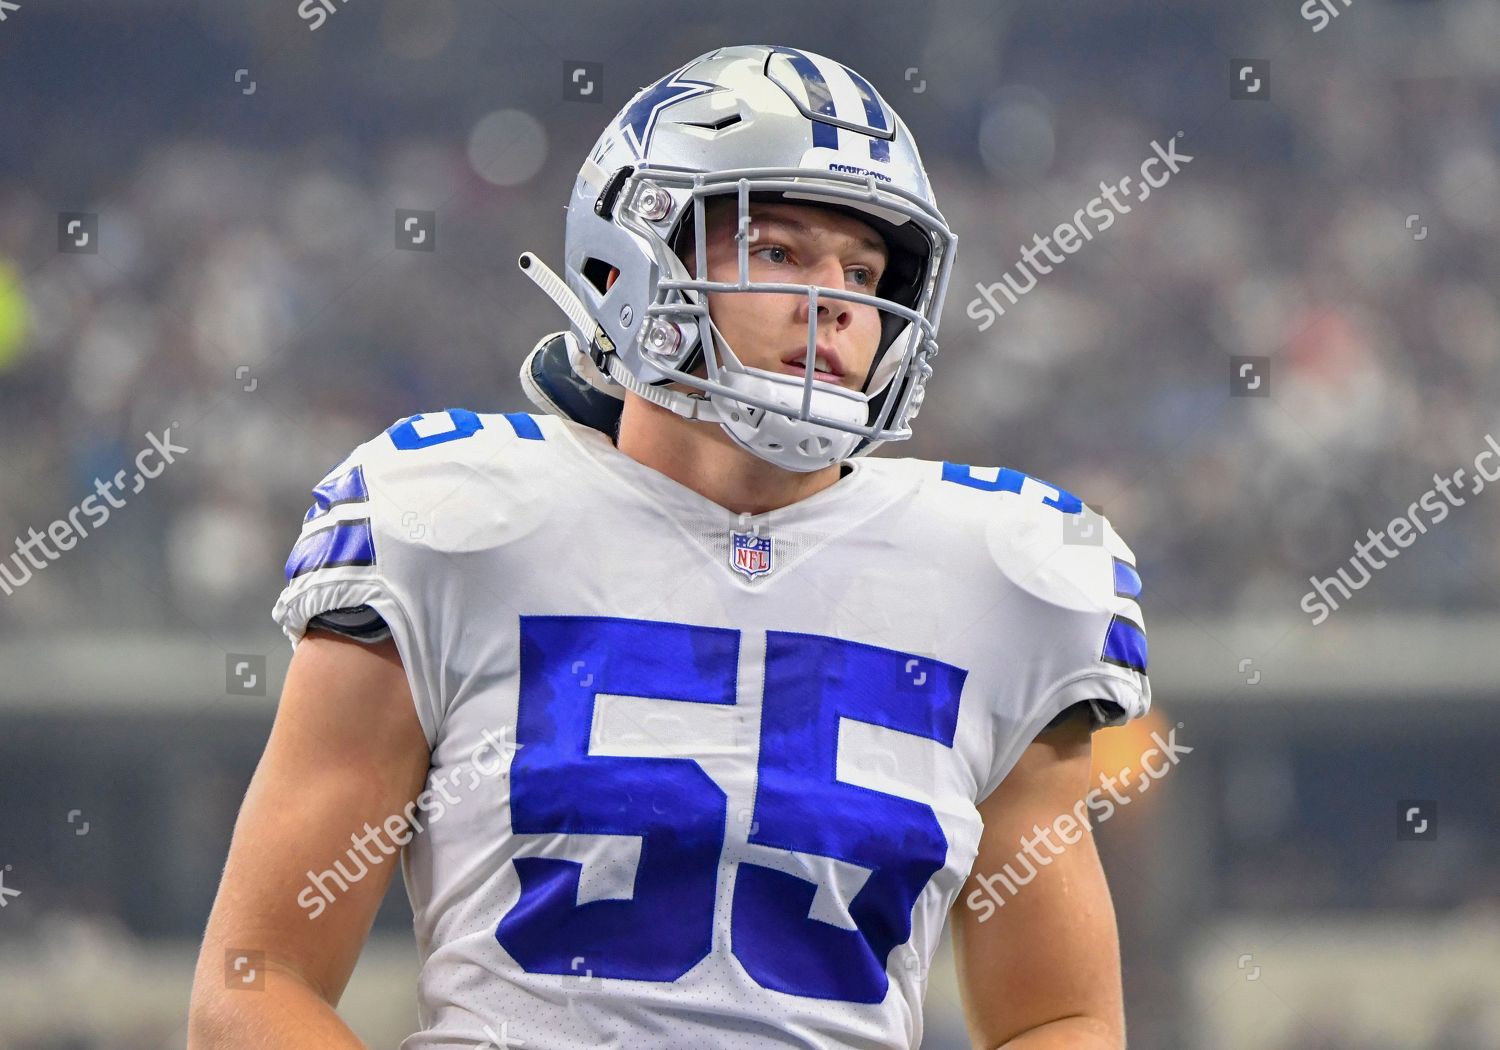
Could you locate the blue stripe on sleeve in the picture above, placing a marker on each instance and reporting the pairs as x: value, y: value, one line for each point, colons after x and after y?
x: 1127, y: 580
x: 340, y: 544
x: 348, y: 487
x: 1125, y: 644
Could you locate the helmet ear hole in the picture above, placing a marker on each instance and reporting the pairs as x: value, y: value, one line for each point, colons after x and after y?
x: 596, y: 272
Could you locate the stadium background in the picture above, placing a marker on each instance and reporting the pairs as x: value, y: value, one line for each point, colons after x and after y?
x: 246, y: 292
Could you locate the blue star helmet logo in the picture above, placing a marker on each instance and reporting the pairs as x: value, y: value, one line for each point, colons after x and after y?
x: 638, y: 122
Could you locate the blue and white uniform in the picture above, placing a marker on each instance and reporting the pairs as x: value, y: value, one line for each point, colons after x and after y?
x: 740, y: 756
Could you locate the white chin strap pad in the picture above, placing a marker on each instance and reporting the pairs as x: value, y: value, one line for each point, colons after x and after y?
x: 791, y: 444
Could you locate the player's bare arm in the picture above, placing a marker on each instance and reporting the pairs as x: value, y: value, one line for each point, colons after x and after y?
x: 346, y: 750
x: 1043, y: 971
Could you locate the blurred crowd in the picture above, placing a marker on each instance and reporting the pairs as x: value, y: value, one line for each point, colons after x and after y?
x: 249, y: 296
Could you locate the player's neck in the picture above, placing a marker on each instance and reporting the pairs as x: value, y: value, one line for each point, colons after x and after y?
x: 705, y: 459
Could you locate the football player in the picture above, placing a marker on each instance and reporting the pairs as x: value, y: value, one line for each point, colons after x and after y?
x: 691, y: 723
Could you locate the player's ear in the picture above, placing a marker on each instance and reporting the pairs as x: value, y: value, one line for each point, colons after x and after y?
x: 609, y: 281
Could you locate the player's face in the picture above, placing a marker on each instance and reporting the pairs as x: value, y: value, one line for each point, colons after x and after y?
x: 796, y: 244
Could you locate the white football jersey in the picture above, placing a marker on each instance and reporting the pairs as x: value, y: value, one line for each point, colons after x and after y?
x: 702, y: 780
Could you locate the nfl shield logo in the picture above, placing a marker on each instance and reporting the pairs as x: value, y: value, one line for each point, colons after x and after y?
x: 749, y: 554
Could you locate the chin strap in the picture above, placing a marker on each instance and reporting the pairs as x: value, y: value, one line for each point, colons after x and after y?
x: 689, y: 406
x: 558, y: 291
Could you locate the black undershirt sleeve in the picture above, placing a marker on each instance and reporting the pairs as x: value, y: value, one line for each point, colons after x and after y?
x: 359, y: 622
x: 1098, y: 712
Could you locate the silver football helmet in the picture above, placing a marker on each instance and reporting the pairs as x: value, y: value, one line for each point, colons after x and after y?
x: 757, y: 122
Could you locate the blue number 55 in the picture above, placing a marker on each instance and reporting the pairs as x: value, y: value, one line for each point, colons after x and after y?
x: 680, y: 813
